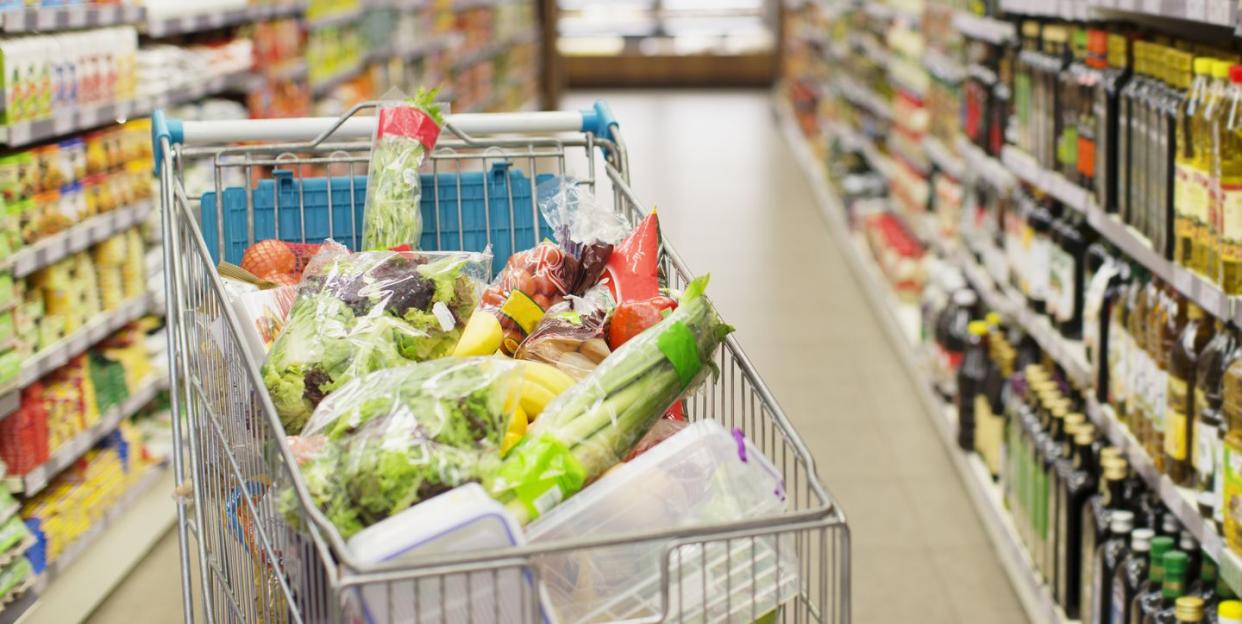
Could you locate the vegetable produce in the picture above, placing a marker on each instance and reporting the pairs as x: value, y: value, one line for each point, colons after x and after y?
x: 404, y: 133
x: 362, y: 312
x: 591, y: 426
x: 389, y: 439
x: 634, y: 317
x: 633, y: 270
x: 571, y: 334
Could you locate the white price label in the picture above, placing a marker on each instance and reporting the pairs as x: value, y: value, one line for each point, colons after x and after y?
x: 1196, y: 10
x: 1220, y: 12
x: 76, y: 17
x: 62, y: 122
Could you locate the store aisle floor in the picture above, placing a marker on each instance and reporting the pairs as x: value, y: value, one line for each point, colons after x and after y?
x: 735, y: 203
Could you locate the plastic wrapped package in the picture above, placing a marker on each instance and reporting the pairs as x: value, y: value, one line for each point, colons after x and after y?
x: 362, y: 312
x: 702, y: 475
x: 571, y: 334
x: 535, y: 280
x: 461, y: 520
x: 390, y: 439
x: 133, y: 270
x: 588, y: 429
x: 404, y: 133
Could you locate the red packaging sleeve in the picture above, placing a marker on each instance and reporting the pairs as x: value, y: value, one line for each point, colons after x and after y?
x: 409, y: 122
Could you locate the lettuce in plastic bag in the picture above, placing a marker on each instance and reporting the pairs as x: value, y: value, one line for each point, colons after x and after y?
x: 363, y: 312
x: 390, y: 439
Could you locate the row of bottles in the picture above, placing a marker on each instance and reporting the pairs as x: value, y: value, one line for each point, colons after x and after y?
x: 1153, y: 128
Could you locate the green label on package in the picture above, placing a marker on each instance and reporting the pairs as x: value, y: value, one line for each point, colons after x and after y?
x: 541, y: 473
x: 678, y: 345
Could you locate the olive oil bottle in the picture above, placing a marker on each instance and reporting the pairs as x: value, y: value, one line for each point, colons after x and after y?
x: 1179, y: 409
x: 1197, y: 192
x: 1227, y: 160
x: 1110, y: 166
x: 1188, y: 194
x: 1108, y: 558
x: 1231, y: 460
x: 1209, y: 434
x: 1078, y: 483
x: 1216, y: 112
x: 1129, y: 577
x: 1149, y: 591
x: 1095, y: 521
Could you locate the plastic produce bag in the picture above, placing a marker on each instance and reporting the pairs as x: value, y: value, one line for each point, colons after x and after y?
x: 405, y: 131
x: 536, y: 279
x: 571, y: 334
x: 390, y: 439
x: 590, y: 427
x: 362, y: 312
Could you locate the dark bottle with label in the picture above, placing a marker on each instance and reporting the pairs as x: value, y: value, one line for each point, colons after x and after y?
x: 1209, y: 433
x: 1179, y: 409
x: 1074, y: 242
x: 1173, y: 586
x: 951, y: 337
x: 1130, y: 576
x: 1149, y: 591
x: 1112, y: 324
x: 1108, y: 557
x: 1096, y: 518
x: 990, y: 420
x: 1204, y: 586
x: 1040, y: 220
x: 971, y: 377
x: 1058, y: 497
x: 1114, y: 77
x: 1078, y: 480
x: 1187, y: 544
x: 1134, y: 119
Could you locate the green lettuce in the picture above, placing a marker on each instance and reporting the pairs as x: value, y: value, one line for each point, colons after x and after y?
x: 363, y: 312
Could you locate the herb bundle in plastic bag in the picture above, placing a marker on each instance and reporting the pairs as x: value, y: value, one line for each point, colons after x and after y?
x: 404, y: 132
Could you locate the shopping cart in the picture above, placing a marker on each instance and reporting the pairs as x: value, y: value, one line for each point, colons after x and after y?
x: 239, y: 477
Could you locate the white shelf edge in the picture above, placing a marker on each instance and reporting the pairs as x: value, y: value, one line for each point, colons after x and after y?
x: 75, y: 238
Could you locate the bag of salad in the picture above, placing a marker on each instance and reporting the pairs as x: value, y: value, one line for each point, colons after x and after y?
x: 405, y: 130
x: 360, y: 312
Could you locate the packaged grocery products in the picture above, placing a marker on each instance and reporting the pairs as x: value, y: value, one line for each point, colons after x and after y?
x: 634, y: 266
x: 404, y: 133
x: 589, y: 428
x: 262, y: 314
x: 460, y: 520
x: 357, y: 313
x: 390, y: 439
x: 701, y: 475
x: 571, y: 334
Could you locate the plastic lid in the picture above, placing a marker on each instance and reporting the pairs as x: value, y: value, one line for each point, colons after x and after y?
x: 1140, y: 539
x: 1121, y: 522
x: 977, y: 328
x: 1175, y: 562
x: 1230, y: 609
x: 1235, y: 74
x: 1188, y: 608
x: 1220, y: 69
x: 1203, y: 65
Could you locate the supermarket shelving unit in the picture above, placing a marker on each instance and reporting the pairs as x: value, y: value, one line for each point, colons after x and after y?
x: 81, y: 578
x: 969, y: 163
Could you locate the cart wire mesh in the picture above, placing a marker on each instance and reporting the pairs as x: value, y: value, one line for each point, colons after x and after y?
x: 242, y: 560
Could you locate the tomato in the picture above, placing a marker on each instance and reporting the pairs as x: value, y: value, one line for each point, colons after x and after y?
x: 634, y: 317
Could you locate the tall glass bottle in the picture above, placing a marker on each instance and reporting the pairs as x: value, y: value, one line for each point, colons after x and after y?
x: 1078, y: 483
x: 1108, y: 557
x: 1130, y: 576
x: 1179, y: 410
x: 1149, y: 591
x: 1228, y: 162
x: 1187, y: 221
x: 1096, y: 517
x: 1197, y: 192
x: 1209, y: 435
x: 1138, y: 363
x: 1133, y: 210
x: 1231, y: 459
x: 1109, y: 155
x: 1215, y: 113
x: 971, y: 377
x: 1128, y: 155
x: 1170, y: 109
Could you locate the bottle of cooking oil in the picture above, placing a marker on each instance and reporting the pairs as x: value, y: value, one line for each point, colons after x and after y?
x: 1228, y: 161
x: 1196, y: 193
x: 1168, y: 104
x: 1179, y: 409
x: 1231, y: 460
x: 1193, y: 139
x: 1128, y: 154
x: 1216, y: 107
x: 1109, y: 164
x: 1136, y: 121
x: 1137, y: 364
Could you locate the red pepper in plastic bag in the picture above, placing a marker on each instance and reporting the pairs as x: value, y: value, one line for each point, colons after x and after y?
x: 633, y: 268
x: 633, y: 317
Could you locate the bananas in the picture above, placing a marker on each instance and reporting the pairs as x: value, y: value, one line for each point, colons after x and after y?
x: 537, y: 385
x: 514, y: 432
x: 481, y: 336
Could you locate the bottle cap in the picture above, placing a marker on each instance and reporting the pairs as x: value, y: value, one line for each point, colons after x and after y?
x: 1168, y: 524
x: 1074, y: 419
x: 1230, y: 609
x: 1085, y: 434
x: 1114, y: 469
x: 1121, y: 522
x: 1175, y: 562
x: 1109, y: 452
x: 1140, y: 539
x: 964, y: 298
x: 1186, y: 542
x: 993, y: 319
x: 1203, y: 66
x: 1235, y: 74
x: 1220, y: 69
x: 977, y: 328
x: 1188, y: 608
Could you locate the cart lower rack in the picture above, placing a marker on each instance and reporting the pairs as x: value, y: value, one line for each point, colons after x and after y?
x: 303, y: 180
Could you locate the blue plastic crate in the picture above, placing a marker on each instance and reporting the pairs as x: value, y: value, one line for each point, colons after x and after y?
x: 503, y: 192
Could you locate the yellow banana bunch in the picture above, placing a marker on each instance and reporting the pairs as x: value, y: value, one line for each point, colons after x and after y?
x: 537, y: 385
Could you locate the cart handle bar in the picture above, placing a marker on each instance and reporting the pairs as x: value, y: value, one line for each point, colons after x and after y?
x: 597, y: 120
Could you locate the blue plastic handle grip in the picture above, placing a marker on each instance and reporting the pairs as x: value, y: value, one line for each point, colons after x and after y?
x: 164, y: 128
x: 599, y: 120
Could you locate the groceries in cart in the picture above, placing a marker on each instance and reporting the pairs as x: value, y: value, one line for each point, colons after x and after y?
x: 360, y: 312
x: 405, y: 131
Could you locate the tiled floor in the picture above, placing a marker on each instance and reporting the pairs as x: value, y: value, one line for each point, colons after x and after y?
x: 734, y: 203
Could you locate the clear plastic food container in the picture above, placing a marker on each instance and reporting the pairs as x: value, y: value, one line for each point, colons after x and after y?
x: 702, y: 475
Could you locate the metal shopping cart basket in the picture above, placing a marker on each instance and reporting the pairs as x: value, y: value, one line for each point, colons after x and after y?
x: 303, y: 180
